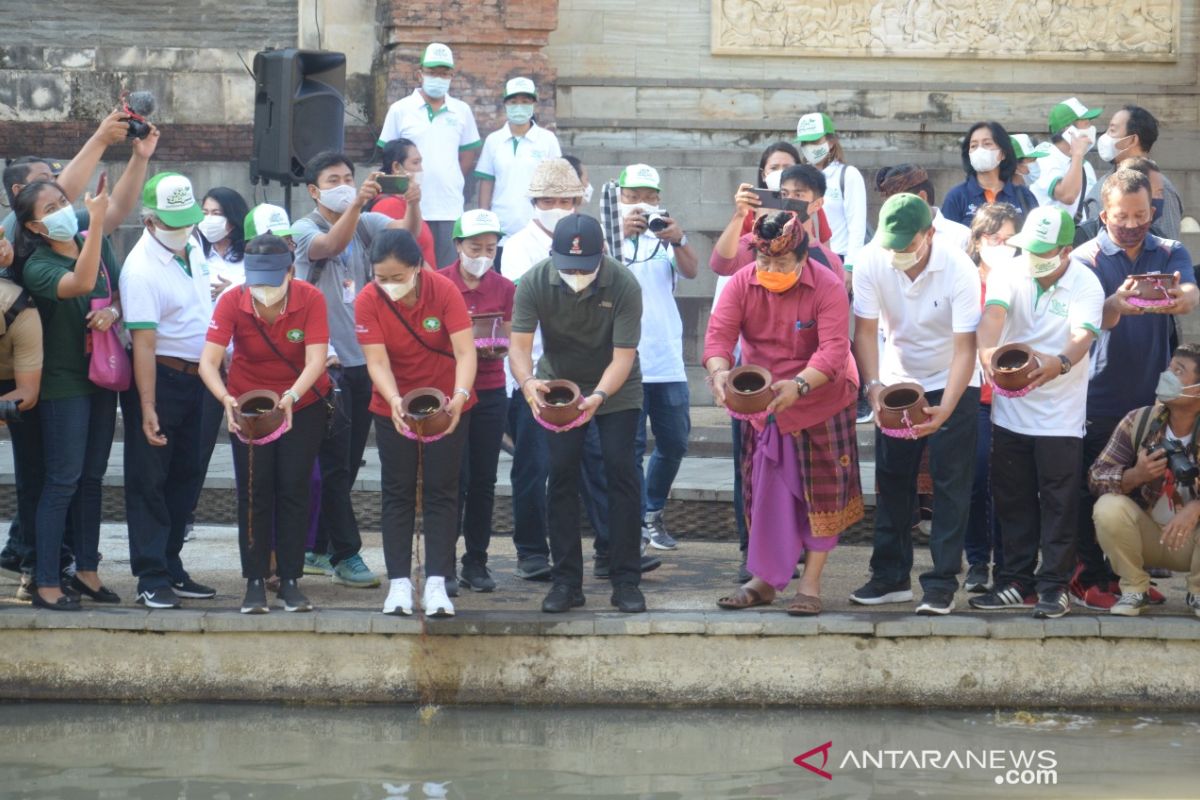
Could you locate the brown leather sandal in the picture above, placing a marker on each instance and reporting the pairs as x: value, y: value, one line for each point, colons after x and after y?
x: 804, y: 605
x: 743, y: 598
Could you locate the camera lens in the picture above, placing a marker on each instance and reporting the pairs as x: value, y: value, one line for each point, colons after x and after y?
x: 137, y: 129
x: 658, y: 222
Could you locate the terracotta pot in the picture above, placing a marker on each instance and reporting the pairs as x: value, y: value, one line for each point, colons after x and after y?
x: 1154, y: 285
x: 424, y: 411
x: 1013, y: 366
x: 899, y: 400
x: 489, y: 328
x: 259, y: 414
x: 748, y: 389
x: 562, y: 403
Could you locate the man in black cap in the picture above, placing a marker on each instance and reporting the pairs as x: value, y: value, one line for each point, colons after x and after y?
x: 590, y: 312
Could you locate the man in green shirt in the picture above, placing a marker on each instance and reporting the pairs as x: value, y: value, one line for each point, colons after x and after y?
x: 590, y: 312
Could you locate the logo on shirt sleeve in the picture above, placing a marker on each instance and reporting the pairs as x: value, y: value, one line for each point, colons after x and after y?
x: 432, y: 324
x: 361, y: 329
x: 295, y: 335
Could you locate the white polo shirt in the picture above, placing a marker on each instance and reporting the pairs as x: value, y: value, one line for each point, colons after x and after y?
x: 1053, y: 167
x: 439, y: 136
x: 1045, y: 320
x: 525, y: 249
x: 918, y: 318
x: 660, y: 351
x: 157, y: 292
x: 955, y: 233
x: 510, y: 162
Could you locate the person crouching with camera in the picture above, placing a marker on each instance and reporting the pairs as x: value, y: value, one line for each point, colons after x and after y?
x: 1149, y: 510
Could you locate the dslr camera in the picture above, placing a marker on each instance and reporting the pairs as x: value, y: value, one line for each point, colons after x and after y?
x: 658, y: 221
x: 1179, y: 463
x: 138, y: 106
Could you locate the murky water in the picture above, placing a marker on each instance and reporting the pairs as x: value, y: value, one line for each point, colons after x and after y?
x: 225, y: 752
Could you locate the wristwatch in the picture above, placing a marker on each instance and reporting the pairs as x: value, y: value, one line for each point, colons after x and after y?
x: 292, y: 394
x: 802, y: 385
x: 681, y: 243
x: 1066, y: 363
x: 603, y: 396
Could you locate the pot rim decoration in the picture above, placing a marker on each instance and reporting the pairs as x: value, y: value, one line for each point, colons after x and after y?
x: 490, y: 343
x: 1152, y: 289
x: 902, y: 415
x: 1018, y: 376
x: 748, y: 401
x: 258, y: 423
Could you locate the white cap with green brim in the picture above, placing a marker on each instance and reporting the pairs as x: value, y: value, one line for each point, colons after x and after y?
x: 169, y: 195
x: 476, y: 222
x: 1024, y: 147
x: 1046, y: 228
x: 812, y: 127
x: 1068, y: 112
x: 438, y: 55
x: 517, y: 86
x: 266, y: 218
x: 639, y: 176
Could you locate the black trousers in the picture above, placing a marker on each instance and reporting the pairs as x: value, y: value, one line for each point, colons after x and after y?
x: 617, y: 434
x: 1096, y: 571
x: 340, y: 458
x: 477, y: 479
x: 273, y: 495
x: 399, y: 458
x: 1035, y: 481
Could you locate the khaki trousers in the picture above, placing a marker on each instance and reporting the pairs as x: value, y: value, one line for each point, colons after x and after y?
x: 1131, y: 539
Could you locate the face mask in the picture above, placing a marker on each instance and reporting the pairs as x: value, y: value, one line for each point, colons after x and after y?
x: 1041, y: 266
x: 772, y: 179
x: 1035, y: 172
x: 549, y: 217
x: 518, y: 113
x: 1170, y: 387
x: 1128, y: 237
x: 476, y: 266
x: 906, y: 261
x: 777, y: 282
x: 996, y: 255
x: 1071, y: 134
x: 1106, y: 147
x: 415, y: 177
x: 174, y: 240
x: 625, y: 209
x: 587, y: 194
x: 815, y: 153
x: 269, y: 295
x: 984, y: 159
x: 62, y: 225
x: 213, y: 228
x: 435, y: 87
x: 398, y: 290
x: 580, y: 282
x: 1159, y: 205
x: 799, y: 206
x: 338, y: 199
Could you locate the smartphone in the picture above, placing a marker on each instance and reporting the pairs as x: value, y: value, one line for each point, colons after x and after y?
x: 393, y: 184
x: 768, y: 198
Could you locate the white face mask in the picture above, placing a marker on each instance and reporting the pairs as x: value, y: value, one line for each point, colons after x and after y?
x: 174, y: 240
x: 815, y: 153
x: 214, y: 228
x: 772, y: 179
x: 1073, y: 133
x: 269, y: 295
x: 580, y: 282
x: 996, y: 255
x: 476, y: 266
x: 625, y: 209
x: 434, y: 86
x: 984, y: 159
x: 550, y: 217
x: 338, y: 199
x: 906, y: 261
x: 398, y: 290
x: 1041, y: 266
x: 1106, y: 147
x: 587, y: 194
x: 415, y: 177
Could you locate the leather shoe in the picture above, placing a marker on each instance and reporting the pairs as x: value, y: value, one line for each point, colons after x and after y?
x: 101, y: 595
x: 628, y: 599
x: 562, y: 598
x: 64, y: 603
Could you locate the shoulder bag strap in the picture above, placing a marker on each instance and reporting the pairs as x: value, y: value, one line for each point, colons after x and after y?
x: 391, y: 307
x: 254, y: 321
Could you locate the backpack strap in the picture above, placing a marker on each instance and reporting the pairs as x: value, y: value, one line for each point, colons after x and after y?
x: 1141, y: 426
x: 24, y: 300
x: 317, y: 268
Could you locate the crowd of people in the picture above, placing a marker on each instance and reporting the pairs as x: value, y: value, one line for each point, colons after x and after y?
x: 1069, y: 488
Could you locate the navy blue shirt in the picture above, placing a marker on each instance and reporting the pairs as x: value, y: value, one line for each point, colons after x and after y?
x: 1127, y: 359
x: 964, y: 200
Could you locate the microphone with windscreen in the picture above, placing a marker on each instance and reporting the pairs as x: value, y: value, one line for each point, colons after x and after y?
x: 139, y: 106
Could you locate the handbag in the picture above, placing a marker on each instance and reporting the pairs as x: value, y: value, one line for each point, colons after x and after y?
x: 109, y: 367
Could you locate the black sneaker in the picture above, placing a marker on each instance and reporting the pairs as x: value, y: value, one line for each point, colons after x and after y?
x: 977, y: 579
x: 194, y: 591
x: 650, y: 563
x: 162, y: 597
x: 1005, y: 598
x: 936, y: 603
x: 25, y: 588
x: 291, y: 596
x: 876, y: 593
x: 863, y: 413
x: 533, y: 568
x: 477, y: 578
x: 255, y: 601
x: 628, y: 599
x: 1052, y: 604
x: 562, y: 598
x: 601, y: 567
x: 452, y: 586
x: 10, y: 561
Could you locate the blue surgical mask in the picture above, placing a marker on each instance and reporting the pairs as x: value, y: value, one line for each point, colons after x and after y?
x: 61, y: 225
x: 435, y: 87
x: 1158, y: 204
x: 519, y: 113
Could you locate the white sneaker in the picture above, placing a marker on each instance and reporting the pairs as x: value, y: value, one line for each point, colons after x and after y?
x: 400, y: 598
x: 435, y: 602
x: 1130, y: 604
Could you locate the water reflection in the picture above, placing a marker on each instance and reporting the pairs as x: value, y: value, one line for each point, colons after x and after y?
x: 228, y: 752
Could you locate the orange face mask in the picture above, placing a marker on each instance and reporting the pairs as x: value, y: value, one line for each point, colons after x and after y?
x: 777, y: 282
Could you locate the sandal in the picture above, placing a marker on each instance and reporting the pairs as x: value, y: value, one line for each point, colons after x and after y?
x: 743, y: 598
x: 804, y: 605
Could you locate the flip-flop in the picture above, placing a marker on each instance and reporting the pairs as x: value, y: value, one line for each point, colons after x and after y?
x: 743, y: 598
x: 804, y: 605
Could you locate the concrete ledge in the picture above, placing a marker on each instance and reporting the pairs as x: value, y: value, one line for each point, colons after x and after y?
x: 686, y: 658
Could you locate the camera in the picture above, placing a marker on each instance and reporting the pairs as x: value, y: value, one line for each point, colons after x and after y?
x: 658, y: 221
x: 1178, y: 462
x: 9, y: 411
x: 139, y: 106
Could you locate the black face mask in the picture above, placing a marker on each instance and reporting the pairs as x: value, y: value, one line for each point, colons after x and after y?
x: 1158, y: 205
x: 799, y: 206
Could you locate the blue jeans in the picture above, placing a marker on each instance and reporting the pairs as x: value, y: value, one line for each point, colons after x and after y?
x: 529, y: 473
x: 29, y: 472
x: 666, y: 406
x: 982, y: 544
x: 952, y: 462
x: 77, y: 435
x: 159, y: 502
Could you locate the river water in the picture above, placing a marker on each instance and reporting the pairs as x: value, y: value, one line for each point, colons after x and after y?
x: 225, y: 752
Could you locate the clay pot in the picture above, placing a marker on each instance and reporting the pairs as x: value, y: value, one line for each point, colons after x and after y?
x: 748, y: 389
x: 898, y: 400
x: 424, y: 411
x: 489, y: 328
x: 562, y: 403
x: 1154, y: 285
x: 259, y: 414
x: 1013, y: 366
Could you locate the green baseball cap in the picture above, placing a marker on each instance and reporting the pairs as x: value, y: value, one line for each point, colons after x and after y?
x: 902, y: 217
x: 639, y: 176
x: 266, y: 218
x: 1068, y: 111
x: 170, y: 196
x: 813, y: 126
x: 1046, y: 228
x: 475, y: 222
x: 1024, y: 147
x: 437, y: 55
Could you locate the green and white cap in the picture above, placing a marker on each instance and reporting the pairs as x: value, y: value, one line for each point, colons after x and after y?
x: 476, y: 222
x: 520, y: 86
x: 639, y: 176
x: 1068, y: 112
x: 1024, y: 147
x: 438, y: 55
x: 813, y: 126
x: 266, y: 218
x: 170, y: 196
x: 1045, y: 229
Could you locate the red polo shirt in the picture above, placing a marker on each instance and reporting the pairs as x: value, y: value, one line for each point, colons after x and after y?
x: 438, y: 312
x: 395, y: 206
x: 494, y: 295
x: 304, y: 321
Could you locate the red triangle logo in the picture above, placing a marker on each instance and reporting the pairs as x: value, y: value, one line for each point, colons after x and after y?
x: 801, y: 760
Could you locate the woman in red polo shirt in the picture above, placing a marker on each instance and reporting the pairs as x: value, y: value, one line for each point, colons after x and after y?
x: 401, y: 157
x: 415, y: 332
x: 485, y: 291
x: 280, y: 333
